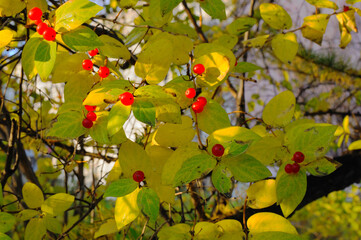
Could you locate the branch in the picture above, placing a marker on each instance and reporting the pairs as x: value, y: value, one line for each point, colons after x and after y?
x: 194, y: 22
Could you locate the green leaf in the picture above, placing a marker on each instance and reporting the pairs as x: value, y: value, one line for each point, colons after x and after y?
x: 279, y: 111
x: 68, y: 125
x: 215, y: 8
x: 7, y: 221
x: 356, y: 145
x: 269, y: 222
x: 323, y: 4
x: 52, y: 224
x: 4, y: 236
x: 44, y: 59
x: 193, y: 168
x: 285, y: 46
x: 221, y: 179
x: 246, y: 168
x: 311, y: 139
x: 290, y: 188
x: 99, y: 131
x: 144, y: 111
x: 314, y: 27
x: 113, y: 48
x: 72, y: 14
x: 28, y: 55
x: 322, y: 167
x: 241, y: 25
x: 213, y: 117
x: 267, y: 150
x: 32, y: 194
x: 27, y: 214
x: 35, y: 229
x: 118, y: 115
x: 82, y: 39
x: 106, y: 228
x: 167, y: 6
x: 243, y: 67
x: 148, y: 202
x: 121, y: 188
x: 227, y: 40
x: 274, y: 236
x: 275, y: 16
x: 57, y: 204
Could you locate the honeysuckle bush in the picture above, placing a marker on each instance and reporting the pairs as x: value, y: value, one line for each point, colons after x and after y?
x: 188, y: 161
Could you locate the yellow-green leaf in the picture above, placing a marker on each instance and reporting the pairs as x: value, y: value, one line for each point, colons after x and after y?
x: 179, y: 231
x: 35, y: 229
x: 28, y: 55
x: 7, y: 221
x: 231, y: 229
x: 215, y: 8
x: 356, y: 145
x: 68, y: 125
x: 81, y: 39
x: 269, y: 222
x: 177, y: 88
x: 275, y: 16
x: 52, y: 224
x: 285, y: 46
x: 279, y: 111
x: 314, y: 27
x: 126, y: 209
x: 206, y: 231
x: 262, y: 194
x: 27, y: 214
x: 66, y: 66
x: 256, y: 42
x: 44, y: 59
x: 32, y: 194
x: 241, y: 25
x: 5, y: 37
x: 117, y: 117
x: 108, y: 227
x: 274, y: 236
x: 57, y: 204
x: 323, y: 4
x: 10, y: 8
x: 113, y: 48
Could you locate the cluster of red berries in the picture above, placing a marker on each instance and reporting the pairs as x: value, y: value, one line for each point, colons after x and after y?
x: 42, y: 28
x: 218, y: 150
x: 90, y: 117
x: 88, y: 64
x: 298, y: 157
x: 138, y: 176
x: 199, y: 104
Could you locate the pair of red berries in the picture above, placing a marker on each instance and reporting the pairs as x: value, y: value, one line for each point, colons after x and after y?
x: 90, y: 117
x: 138, y: 176
x: 42, y: 28
x: 298, y: 157
x: 126, y: 98
x: 103, y: 71
x: 199, y: 104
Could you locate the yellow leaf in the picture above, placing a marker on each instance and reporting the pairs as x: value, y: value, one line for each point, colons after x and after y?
x: 108, y: 227
x: 126, y: 209
x: 154, y: 61
x: 231, y: 229
x: 32, y: 194
x: 347, y: 19
x: 339, y: 131
x: 165, y: 134
x: 10, y: 8
x: 5, y: 37
x: 345, y: 37
x: 323, y: 4
x: 206, y: 230
x: 182, y: 45
x: 113, y: 48
x: 269, y: 222
x: 115, y: 173
x: 314, y: 27
x: 177, y: 232
x: 262, y: 194
x: 355, y: 145
x: 285, y: 46
x: 345, y: 125
x: 275, y: 16
x: 217, y: 61
x: 132, y: 157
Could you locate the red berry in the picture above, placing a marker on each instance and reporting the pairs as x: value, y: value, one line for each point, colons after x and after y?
x: 92, y: 116
x: 38, y: 21
x: 126, y: 98
x: 87, y: 123
x: 298, y: 157
x: 138, y: 176
x: 190, y: 93
x: 87, y: 64
x: 35, y: 13
x: 93, y: 52
x: 198, y: 69
x: 288, y: 168
x: 90, y: 108
x: 235, y: 64
x: 202, y: 100
x: 197, y: 107
x: 218, y: 150
x: 103, y: 72
x: 49, y: 34
x: 346, y: 8
x: 295, y: 168
x: 41, y: 28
